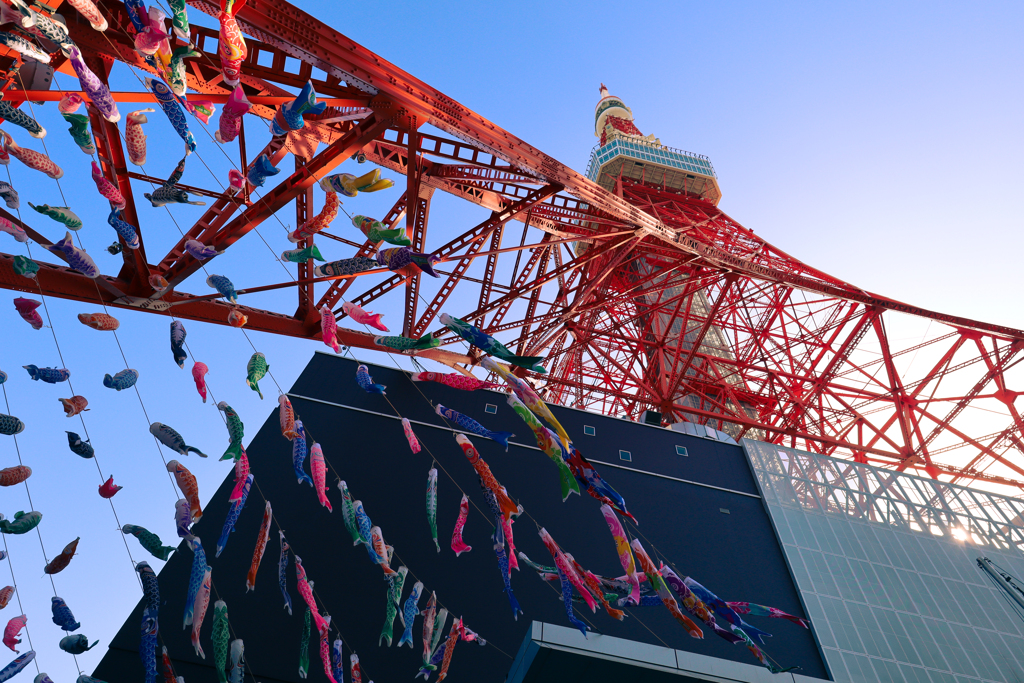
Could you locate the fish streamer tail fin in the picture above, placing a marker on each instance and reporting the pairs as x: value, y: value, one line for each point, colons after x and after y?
x: 528, y: 362
x: 195, y: 450
x: 568, y: 482
x: 234, y: 452
x: 500, y: 437
x: 427, y: 341
x: 255, y: 386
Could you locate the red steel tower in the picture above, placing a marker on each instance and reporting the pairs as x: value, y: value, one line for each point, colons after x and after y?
x: 641, y: 293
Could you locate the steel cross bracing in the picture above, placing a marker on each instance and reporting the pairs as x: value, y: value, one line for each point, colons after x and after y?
x: 640, y: 299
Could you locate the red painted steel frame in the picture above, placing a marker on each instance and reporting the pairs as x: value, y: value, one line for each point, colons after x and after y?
x: 641, y: 299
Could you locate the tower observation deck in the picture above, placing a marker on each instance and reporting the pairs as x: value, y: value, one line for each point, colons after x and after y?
x: 627, y: 153
x: 626, y: 157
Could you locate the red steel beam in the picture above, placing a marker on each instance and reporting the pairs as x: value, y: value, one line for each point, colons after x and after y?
x: 336, y: 153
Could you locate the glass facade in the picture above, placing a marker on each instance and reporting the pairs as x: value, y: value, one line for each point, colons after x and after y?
x: 643, y: 151
x: 886, y: 564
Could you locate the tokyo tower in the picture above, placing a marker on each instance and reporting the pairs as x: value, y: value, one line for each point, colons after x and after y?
x: 644, y: 297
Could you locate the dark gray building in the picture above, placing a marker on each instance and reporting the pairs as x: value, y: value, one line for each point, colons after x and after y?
x: 714, y: 509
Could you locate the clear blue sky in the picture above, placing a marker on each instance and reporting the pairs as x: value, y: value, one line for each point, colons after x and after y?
x: 879, y: 143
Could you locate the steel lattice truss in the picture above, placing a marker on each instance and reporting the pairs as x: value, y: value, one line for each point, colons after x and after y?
x: 639, y: 298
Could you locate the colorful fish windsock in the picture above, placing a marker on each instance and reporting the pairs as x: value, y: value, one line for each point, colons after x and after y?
x: 302, y: 255
x: 528, y: 396
x: 507, y: 506
x: 458, y: 545
x: 199, y: 371
x: 169, y: 103
x: 224, y: 287
x: 178, y: 335
x: 231, y: 116
x: 432, y: 505
x: 221, y: 639
x: 658, y: 583
x: 257, y: 369
x: 241, y: 474
x: 233, y: 512
x: 406, y: 344
x: 29, y: 157
x: 107, y: 188
x: 596, y: 486
x: 376, y: 232
x: 347, y: 266
x: 551, y: 446
x: 48, y: 375
x: 231, y: 46
x: 150, y: 541
x: 394, y: 599
x: 472, y: 426
x: 92, y: 86
x: 188, y: 486
x: 299, y: 453
x: 60, y: 562
x: 410, y: 436
x: 289, y: 116
x: 108, y: 488
x: 69, y: 101
x: 135, y: 138
x: 763, y: 611
x: 195, y: 580
x: 489, y: 344
x: 260, y: 170
x: 76, y: 258
x: 282, y: 572
x: 62, y: 615
x: 79, y: 132
x: 622, y: 548
x: 10, y: 476
x: 19, y: 118
x: 176, y: 69
x: 74, y: 405
x: 125, y: 230
x: 27, y: 310
x: 18, y: 44
x: 25, y: 267
x: 319, y: 222
x: 158, y: 282
x: 15, y: 231
x: 498, y: 539
x: 366, y: 382
x: 173, y: 440
x: 61, y: 214
x: 12, y: 630
x: 362, y: 317
x: 350, y: 185
x: 202, y: 602
x: 453, y: 380
x: 180, y: 21
x: 10, y: 196
x: 261, y: 547
x: 287, y: 416
x: 397, y: 258
x: 319, y: 470
x: 304, y: 644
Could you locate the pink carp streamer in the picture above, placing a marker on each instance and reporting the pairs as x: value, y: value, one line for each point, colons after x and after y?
x: 458, y: 545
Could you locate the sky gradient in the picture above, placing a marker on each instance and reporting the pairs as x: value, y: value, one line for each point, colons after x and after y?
x: 880, y: 144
